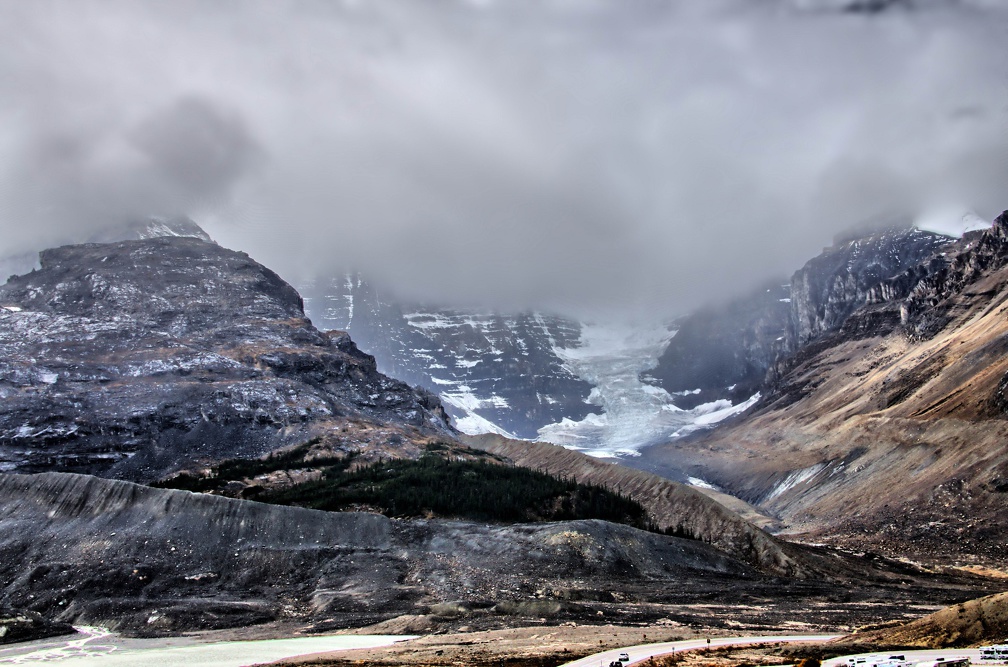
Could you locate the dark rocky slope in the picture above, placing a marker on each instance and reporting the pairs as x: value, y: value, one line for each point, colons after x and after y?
x: 138, y: 358
x: 154, y: 560
x: 150, y: 561
x: 23, y: 626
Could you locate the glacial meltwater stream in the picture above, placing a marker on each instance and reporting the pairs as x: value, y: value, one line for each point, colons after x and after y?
x: 98, y: 647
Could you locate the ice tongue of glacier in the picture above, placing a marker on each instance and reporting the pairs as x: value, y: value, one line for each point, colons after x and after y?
x: 632, y: 413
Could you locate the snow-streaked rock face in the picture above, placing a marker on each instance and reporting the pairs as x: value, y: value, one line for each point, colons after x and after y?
x: 528, y: 376
x: 152, y: 228
x: 495, y: 373
x: 138, y: 358
x: 834, y: 284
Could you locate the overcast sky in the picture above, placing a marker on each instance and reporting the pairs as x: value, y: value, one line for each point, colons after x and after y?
x: 585, y: 156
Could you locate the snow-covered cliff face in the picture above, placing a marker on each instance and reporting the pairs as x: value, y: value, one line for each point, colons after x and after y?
x: 497, y: 373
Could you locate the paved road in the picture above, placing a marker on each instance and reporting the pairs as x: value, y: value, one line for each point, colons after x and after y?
x: 644, y: 651
x: 97, y: 647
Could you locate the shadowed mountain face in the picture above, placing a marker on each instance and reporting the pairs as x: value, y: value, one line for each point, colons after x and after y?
x: 138, y: 358
x: 725, y: 352
x: 889, y: 432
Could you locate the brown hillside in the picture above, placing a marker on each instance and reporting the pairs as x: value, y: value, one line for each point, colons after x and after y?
x: 972, y: 623
x: 883, y: 442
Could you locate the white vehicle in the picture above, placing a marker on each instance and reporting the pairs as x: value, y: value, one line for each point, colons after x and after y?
x: 957, y: 661
x: 623, y: 657
x: 879, y: 660
x: 993, y: 655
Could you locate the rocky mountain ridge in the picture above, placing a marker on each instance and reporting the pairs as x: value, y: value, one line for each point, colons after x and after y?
x: 136, y: 358
x: 849, y: 274
x: 727, y: 352
x: 493, y: 372
x: 888, y: 432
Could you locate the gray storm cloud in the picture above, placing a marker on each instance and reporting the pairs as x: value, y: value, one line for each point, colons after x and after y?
x: 588, y: 157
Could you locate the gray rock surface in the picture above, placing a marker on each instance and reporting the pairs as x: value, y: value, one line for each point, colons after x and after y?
x: 926, y: 307
x: 846, y: 276
x: 138, y: 358
x: 152, y: 561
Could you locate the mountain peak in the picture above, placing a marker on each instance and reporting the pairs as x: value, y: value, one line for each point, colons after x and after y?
x: 149, y: 228
x: 138, y: 358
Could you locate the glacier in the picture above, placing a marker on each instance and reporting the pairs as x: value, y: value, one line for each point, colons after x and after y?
x: 632, y: 413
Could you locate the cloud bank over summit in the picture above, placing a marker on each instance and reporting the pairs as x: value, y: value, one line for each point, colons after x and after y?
x: 586, y: 157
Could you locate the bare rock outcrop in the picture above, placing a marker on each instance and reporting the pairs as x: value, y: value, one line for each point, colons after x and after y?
x: 138, y: 358
x: 846, y: 276
x: 926, y: 308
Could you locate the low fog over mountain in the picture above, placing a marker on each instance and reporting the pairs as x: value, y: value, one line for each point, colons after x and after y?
x: 586, y: 158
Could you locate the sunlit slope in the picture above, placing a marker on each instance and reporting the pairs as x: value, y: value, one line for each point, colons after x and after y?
x: 981, y: 621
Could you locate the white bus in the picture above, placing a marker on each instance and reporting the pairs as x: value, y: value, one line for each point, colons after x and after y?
x: 878, y: 660
x: 993, y: 655
x: 957, y: 661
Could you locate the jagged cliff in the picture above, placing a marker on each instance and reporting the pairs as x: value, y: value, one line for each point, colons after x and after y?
x: 727, y: 351
x: 137, y: 358
x: 847, y: 275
